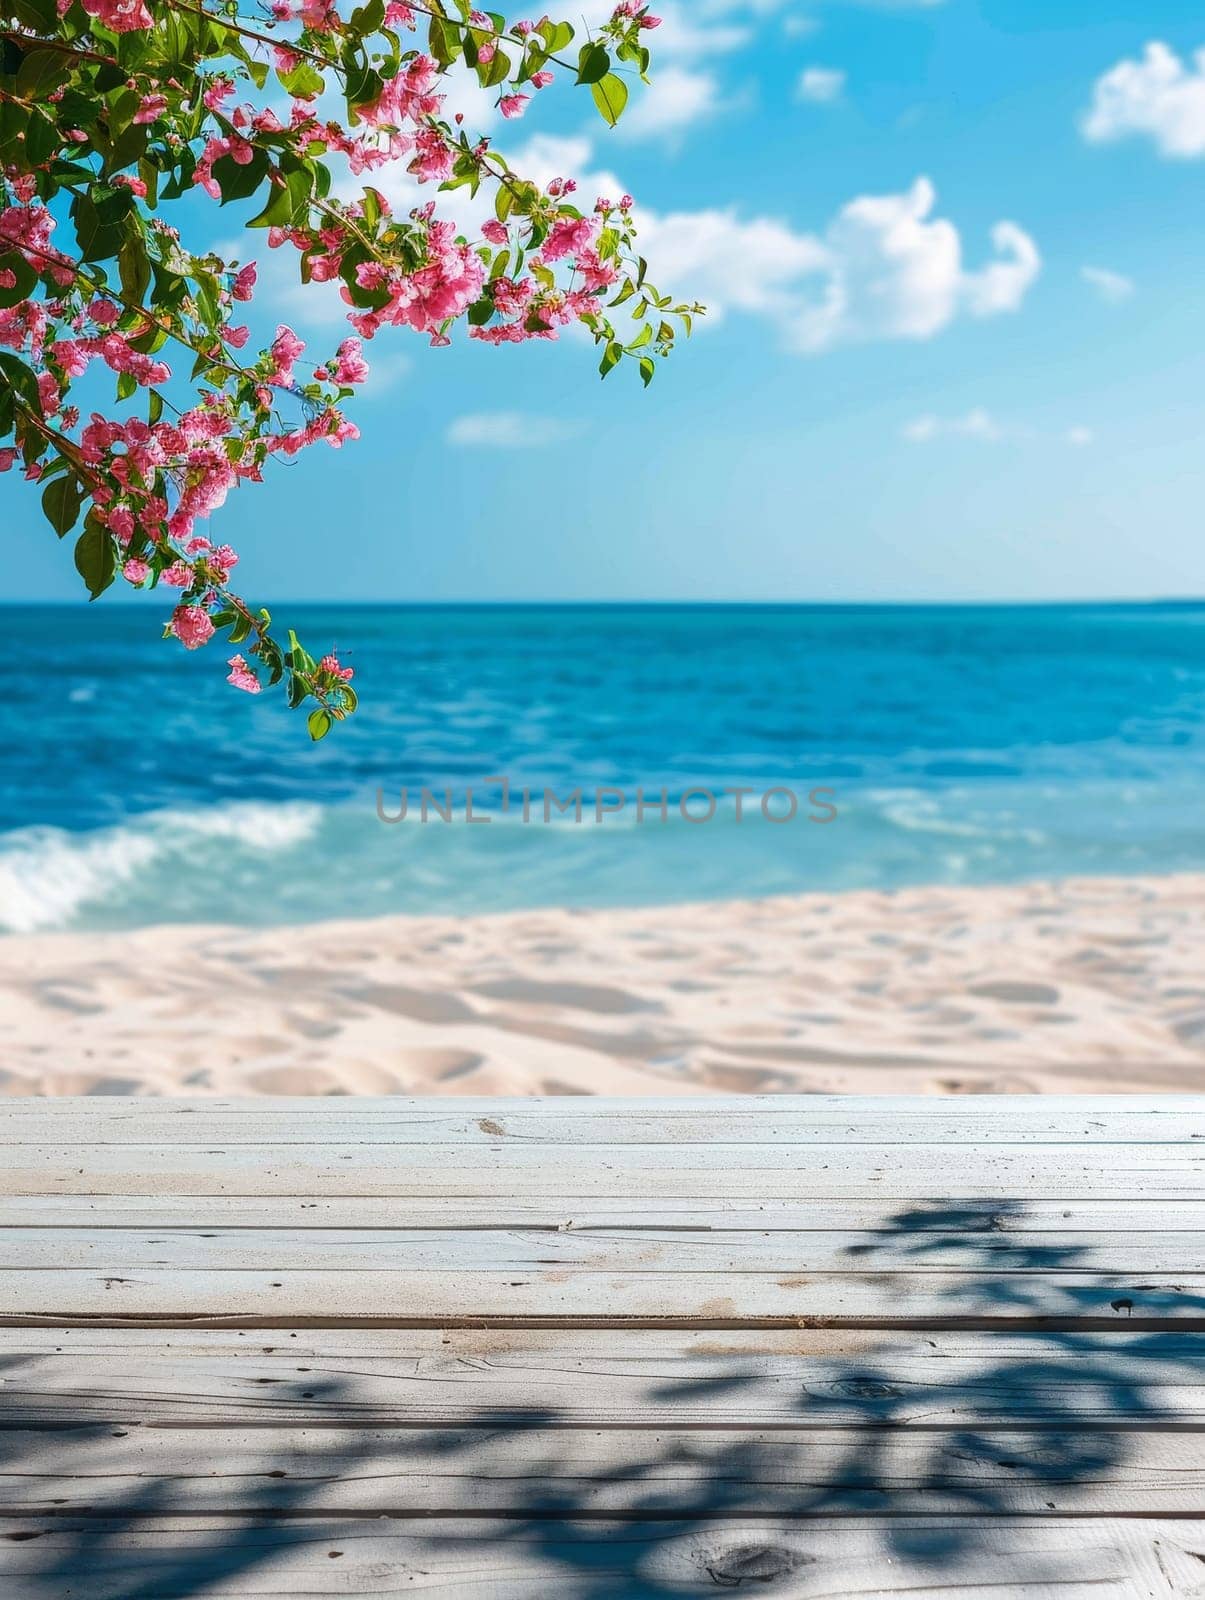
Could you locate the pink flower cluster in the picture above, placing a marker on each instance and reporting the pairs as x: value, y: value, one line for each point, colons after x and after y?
x: 424, y: 299
x: 148, y: 482
x: 122, y: 16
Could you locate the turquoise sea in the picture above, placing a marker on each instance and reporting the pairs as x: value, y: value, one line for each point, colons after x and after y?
x: 960, y: 744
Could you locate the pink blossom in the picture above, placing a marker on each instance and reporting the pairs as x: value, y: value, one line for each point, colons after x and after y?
x: 7, y: 458
x: 225, y: 560
x: 595, y: 273
x: 432, y: 161
x: 241, y: 675
x: 179, y: 575
x: 330, y: 664
x: 567, y: 236
x: 192, y: 626
x: 494, y: 231
x: 121, y: 524
x: 219, y: 90
x: 49, y: 393
x: 135, y: 571
x: 350, y: 365
x: 286, y: 348
x: 151, y: 107
x: 513, y: 105
x: 121, y: 16
x: 244, y: 282
x: 541, y: 80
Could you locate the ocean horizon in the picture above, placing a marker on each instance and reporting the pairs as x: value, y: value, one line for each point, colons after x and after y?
x: 957, y: 743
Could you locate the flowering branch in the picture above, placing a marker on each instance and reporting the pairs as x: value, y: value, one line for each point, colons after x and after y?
x: 112, y: 109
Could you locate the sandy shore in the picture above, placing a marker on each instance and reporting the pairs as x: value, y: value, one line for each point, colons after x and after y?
x: 1083, y: 985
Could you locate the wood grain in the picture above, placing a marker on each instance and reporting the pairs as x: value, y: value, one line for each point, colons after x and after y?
x: 257, y: 1558
x: 596, y: 1350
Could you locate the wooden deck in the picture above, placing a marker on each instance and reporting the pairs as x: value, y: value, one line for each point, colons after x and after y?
x: 602, y: 1350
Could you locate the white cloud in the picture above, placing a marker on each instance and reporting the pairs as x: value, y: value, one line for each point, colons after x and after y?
x: 976, y: 424
x: 509, y: 430
x: 692, y: 36
x: 822, y: 86
x: 1112, y: 287
x: 1159, y: 96
x: 981, y: 425
x: 678, y: 97
x: 546, y: 156
x: 883, y: 269
x: 386, y: 367
x: 800, y: 27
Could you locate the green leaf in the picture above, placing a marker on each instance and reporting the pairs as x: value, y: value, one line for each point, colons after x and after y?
x: 42, y: 71
x: 498, y: 70
x: 24, y: 276
x: 368, y: 18
x: 95, y: 558
x: 37, y: 14
x: 42, y: 139
x: 444, y: 41
x: 299, y: 658
x: 556, y: 36
x: 22, y: 381
x: 593, y: 63
x: 98, y: 239
x: 611, y: 358
x: 319, y: 723
x: 61, y: 501
x: 648, y: 368
x: 238, y: 180
x: 278, y: 213
x: 303, y: 83
x: 134, y: 268
x: 610, y: 96
x: 112, y: 203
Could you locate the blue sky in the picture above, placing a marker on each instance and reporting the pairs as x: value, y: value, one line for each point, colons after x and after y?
x: 955, y: 254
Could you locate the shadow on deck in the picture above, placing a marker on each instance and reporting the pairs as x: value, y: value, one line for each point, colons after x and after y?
x: 879, y: 1462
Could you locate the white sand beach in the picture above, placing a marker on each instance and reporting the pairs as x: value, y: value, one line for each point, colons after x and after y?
x: 1084, y: 985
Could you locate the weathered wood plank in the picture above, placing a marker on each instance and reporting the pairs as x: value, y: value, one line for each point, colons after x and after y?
x: 440, y: 1378
x: 575, y: 1212
x: 713, y: 1299
x: 789, y: 1119
x: 252, y: 1558
x: 667, y: 1471
x: 916, y: 1172
x: 953, y: 1311
x: 630, y: 1250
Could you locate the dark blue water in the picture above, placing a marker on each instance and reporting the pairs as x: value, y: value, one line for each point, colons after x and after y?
x: 961, y: 744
